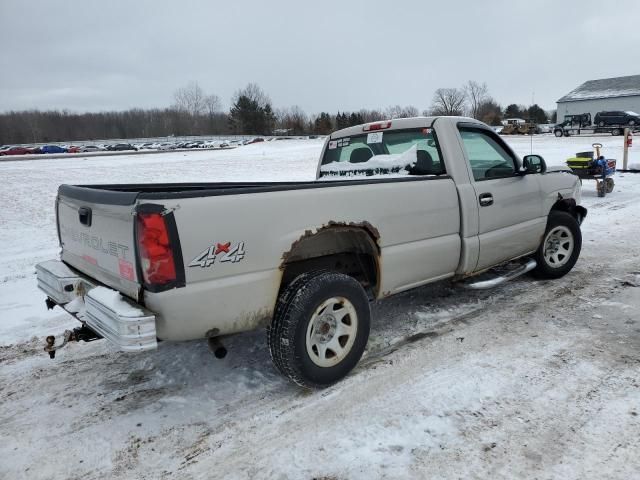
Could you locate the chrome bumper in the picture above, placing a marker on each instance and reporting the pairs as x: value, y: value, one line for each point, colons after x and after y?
x: 59, y: 282
x: 123, y: 322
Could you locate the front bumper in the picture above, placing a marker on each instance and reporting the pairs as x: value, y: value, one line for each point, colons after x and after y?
x: 126, y: 324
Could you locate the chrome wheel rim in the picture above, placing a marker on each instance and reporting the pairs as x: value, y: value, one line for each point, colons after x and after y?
x: 331, y: 332
x: 558, y: 246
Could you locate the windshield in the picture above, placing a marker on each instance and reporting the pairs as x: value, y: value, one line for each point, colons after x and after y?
x: 399, y: 152
x: 632, y: 113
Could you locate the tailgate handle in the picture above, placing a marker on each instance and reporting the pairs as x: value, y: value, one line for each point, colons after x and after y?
x: 84, y: 214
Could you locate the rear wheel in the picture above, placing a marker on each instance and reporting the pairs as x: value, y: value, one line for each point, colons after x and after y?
x: 601, y: 124
x: 560, y: 247
x: 320, y: 328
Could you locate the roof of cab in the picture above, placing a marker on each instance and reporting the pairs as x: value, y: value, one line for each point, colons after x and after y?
x: 397, y: 124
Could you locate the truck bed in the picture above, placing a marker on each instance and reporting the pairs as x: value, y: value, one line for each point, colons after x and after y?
x: 127, y: 194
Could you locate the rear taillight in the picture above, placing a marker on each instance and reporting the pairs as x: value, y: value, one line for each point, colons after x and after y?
x: 154, y: 247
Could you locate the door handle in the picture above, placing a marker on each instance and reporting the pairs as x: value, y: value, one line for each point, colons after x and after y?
x: 486, y: 199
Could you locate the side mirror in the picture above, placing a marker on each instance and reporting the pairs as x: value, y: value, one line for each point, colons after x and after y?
x: 533, y: 164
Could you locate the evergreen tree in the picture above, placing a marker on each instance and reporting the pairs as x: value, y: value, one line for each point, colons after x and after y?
x: 355, y: 119
x: 323, y: 124
x: 537, y: 114
x: 513, y: 111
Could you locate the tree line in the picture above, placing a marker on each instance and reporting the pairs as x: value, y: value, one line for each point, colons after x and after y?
x: 195, y: 112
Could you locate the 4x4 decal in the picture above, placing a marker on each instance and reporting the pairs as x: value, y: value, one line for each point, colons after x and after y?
x: 223, y: 252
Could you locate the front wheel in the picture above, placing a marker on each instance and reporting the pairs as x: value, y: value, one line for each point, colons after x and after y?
x: 320, y: 328
x: 609, y: 185
x: 558, y: 133
x: 560, y: 247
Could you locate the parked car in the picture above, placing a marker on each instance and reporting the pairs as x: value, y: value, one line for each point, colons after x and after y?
x: 395, y: 205
x: 166, y: 146
x: 73, y: 149
x: 617, y: 117
x: 119, y: 147
x: 254, y: 140
x: 16, y: 151
x: 52, y: 149
x: 90, y: 148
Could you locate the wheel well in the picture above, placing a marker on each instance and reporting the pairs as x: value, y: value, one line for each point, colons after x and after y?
x: 352, y: 250
x: 569, y: 205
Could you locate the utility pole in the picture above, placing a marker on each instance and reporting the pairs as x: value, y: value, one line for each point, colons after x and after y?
x: 625, y: 156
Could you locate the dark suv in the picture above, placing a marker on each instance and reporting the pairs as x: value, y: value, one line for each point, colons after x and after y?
x: 617, y: 118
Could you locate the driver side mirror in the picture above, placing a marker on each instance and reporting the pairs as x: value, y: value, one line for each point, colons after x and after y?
x: 533, y: 164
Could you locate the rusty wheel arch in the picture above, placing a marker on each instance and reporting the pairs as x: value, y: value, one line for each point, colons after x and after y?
x: 352, y: 248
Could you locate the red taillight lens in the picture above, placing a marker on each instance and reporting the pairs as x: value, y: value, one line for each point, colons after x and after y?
x: 154, y: 246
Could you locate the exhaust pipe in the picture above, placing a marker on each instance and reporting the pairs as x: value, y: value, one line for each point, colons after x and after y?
x: 219, y: 350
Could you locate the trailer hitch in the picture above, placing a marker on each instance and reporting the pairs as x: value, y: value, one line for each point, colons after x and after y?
x: 78, y: 334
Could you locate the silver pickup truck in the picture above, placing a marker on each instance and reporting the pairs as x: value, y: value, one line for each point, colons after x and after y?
x: 396, y: 204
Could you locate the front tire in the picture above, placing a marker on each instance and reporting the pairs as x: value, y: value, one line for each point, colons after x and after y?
x: 320, y: 328
x: 560, y: 247
x: 609, y: 184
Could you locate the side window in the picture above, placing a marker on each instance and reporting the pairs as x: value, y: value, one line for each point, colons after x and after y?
x: 487, y: 157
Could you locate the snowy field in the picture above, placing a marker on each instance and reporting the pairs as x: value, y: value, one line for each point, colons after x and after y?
x: 532, y: 380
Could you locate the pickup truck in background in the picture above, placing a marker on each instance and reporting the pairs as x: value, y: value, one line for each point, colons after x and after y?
x: 396, y: 204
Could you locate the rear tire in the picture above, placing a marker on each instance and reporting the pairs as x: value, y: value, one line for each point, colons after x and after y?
x: 560, y: 247
x: 320, y: 328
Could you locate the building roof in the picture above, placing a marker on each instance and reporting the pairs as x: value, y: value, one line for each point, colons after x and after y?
x: 605, y: 88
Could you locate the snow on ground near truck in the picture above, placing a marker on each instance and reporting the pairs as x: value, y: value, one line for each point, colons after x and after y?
x: 533, y: 379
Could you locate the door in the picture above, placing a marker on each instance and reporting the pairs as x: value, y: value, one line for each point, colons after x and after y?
x: 511, y: 221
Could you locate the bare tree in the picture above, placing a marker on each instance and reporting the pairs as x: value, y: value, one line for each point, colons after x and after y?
x: 397, y: 111
x: 448, y: 102
x: 372, y: 115
x: 292, y: 119
x: 477, y: 94
x: 190, y: 99
x: 212, y: 104
x: 253, y: 93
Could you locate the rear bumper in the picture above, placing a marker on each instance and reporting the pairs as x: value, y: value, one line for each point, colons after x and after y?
x: 127, y: 325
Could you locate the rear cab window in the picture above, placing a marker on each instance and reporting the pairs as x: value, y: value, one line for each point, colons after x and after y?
x: 383, y: 153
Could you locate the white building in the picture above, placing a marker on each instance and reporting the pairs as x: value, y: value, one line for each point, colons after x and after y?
x: 607, y: 94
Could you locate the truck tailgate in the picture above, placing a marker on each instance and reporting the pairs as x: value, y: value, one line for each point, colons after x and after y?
x: 97, y: 236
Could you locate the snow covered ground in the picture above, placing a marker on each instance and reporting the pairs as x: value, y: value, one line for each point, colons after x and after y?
x: 534, y: 379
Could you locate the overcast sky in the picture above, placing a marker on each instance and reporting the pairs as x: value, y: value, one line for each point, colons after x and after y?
x: 86, y: 55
